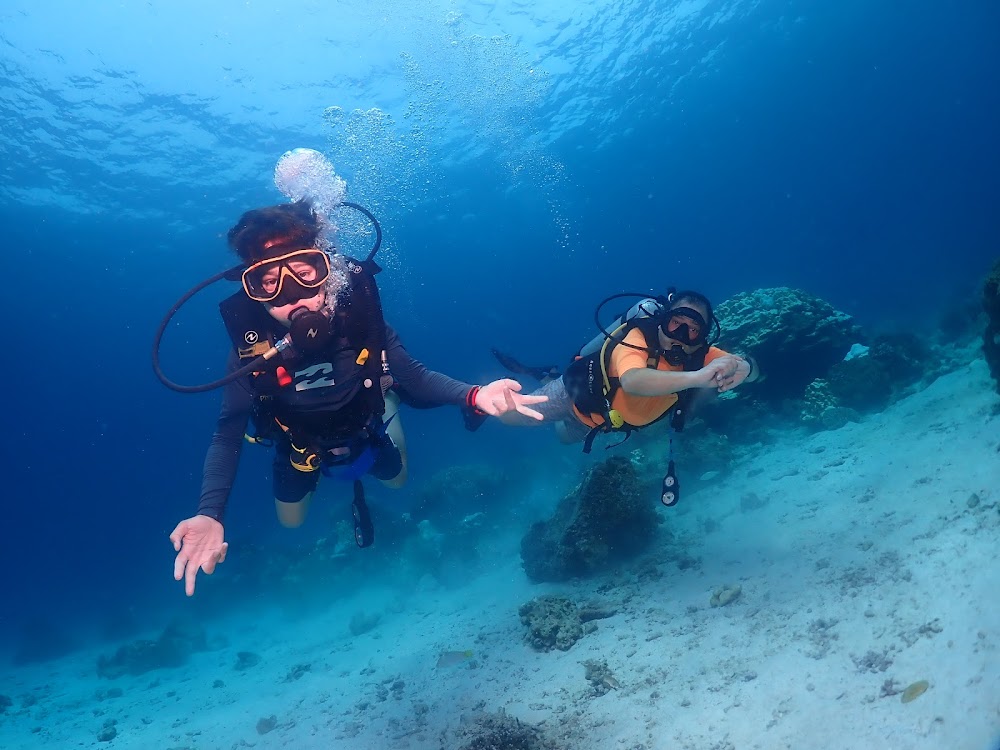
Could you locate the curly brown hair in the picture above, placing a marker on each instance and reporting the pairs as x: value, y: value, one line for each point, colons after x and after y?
x: 266, y: 232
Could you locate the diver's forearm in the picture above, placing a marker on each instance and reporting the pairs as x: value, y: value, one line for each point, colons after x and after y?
x: 648, y: 382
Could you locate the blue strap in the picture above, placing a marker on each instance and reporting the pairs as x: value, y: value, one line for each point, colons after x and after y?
x: 354, y: 470
x: 362, y: 464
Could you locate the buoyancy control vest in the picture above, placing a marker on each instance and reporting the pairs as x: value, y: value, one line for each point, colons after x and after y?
x: 592, y: 388
x: 323, y: 396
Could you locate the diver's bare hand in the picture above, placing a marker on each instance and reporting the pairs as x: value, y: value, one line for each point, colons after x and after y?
x: 712, y: 374
x: 199, y: 544
x: 503, y: 397
x: 736, y: 377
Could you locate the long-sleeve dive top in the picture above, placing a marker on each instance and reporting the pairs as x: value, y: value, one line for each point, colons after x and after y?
x: 423, y: 387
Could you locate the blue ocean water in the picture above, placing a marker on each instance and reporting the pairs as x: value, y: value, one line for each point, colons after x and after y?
x: 525, y: 160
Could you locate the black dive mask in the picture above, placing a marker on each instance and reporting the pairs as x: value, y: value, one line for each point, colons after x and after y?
x: 677, y: 326
x: 291, y: 292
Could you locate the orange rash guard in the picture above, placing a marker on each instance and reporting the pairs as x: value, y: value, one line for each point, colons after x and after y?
x: 638, y: 410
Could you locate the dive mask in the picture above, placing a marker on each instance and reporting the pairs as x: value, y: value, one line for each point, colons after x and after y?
x: 306, y: 269
x: 686, y: 326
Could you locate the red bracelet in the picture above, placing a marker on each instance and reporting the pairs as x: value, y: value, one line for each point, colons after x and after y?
x: 470, y: 401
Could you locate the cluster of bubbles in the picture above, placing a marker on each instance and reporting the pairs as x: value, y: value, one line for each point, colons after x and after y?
x: 469, y: 99
x: 337, y: 283
x: 306, y: 174
x: 390, y: 171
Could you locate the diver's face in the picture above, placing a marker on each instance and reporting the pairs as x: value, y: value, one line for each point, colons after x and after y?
x: 668, y: 342
x: 282, y: 313
x: 304, y: 269
x: 289, y: 282
x: 680, y: 330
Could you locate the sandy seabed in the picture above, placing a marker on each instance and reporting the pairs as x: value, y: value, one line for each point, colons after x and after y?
x: 867, y: 562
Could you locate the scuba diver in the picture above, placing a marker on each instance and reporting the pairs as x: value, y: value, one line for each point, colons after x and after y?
x: 317, y: 371
x: 645, y: 367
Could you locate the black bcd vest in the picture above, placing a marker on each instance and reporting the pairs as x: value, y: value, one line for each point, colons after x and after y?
x: 334, y: 392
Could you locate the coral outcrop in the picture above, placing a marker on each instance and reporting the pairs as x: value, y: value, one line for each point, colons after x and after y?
x: 171, y: 649
x: 794, y: 336
x: 607, y: 518
x: 867, y: 380
x: 501, y: 731
x: 553, y: 622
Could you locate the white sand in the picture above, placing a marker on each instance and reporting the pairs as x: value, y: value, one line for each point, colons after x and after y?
x: 866, y: 545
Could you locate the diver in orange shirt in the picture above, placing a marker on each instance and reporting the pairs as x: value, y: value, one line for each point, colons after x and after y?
x: 644, y: 368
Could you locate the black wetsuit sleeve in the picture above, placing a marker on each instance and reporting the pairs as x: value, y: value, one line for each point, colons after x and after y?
x: 418, y: 386
x: 223, y: 455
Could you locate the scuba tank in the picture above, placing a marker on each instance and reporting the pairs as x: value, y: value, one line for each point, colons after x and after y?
x: 592, y: 390
x: 646, y: 308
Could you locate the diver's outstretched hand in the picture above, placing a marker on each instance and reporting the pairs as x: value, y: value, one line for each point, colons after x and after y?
x: 736, y: 371
x: 715, y: 373
x: 503, y: 397
x: 199, y: 544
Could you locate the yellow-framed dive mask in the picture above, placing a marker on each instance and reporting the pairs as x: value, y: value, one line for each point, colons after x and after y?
x: 308, y: 268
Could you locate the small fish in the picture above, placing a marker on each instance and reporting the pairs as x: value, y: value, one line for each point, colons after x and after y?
x: 914, y: 691
x: 451, y: 658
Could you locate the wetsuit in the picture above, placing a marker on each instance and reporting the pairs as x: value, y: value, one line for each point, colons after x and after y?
x: 415, y: 384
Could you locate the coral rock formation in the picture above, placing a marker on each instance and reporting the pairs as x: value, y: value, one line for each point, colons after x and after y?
x: 607, y: 518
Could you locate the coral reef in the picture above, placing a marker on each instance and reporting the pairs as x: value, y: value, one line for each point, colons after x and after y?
x: 817, y: 399
x: 267, y: 724
x: 794, y: 336
x: 606, y: 518
x: 296, y: 672
x: 904, y: 358
x: 553, y: 622
x: 861, y: 383
x: 725, y: 595
x: 821, y: 409
x: 501, y: 731
x: 991, y: 336
x: 867, y: 380
x: 873, y: 661
x: 171, y: 649
x: 837, y: 416
x: 598, y: 674
x: 108, y: 732
x: 246, y: 660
